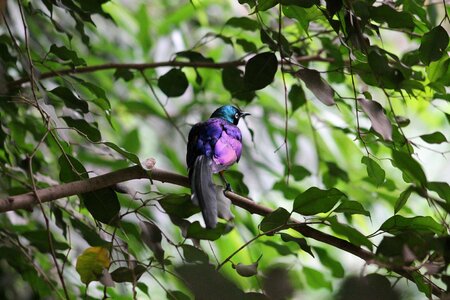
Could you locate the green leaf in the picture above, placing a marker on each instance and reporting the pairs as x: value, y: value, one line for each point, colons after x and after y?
x: 122, y: 73
x: 145, y: 24
x: 433, y: 45
x: 91, y: 263
x: 375, y: 172
x: 275, y: 219
x: 39, y: 239
x: 352, y: 207
x: 62, y: 52
x: 89, y: 234
x: 333, y: 6
x: 247, y: 46
x: 328, y: 261
x: 194, y: 255
x: 299, y: 172
x: 174, y: 83
x: 243, y: 23
x: 196, y: 231
x: 69, y: 99
x: 301, y: 242
x: 260, y: 70
x: 103, y: 205
x: 280, y: 248
x: 71, y: 169
x: 315, y: 279
x: 132, y: 157
x: 318, y: 86
x: 438, y: 69
x: 411, y: 169
x: 441, y: 188
x: 179, y: 205
x: 315, y: 200
x: 193, y: 56
x: 397, y: 224
x: 233, y: 81
x: 84, y: 128
x: 124, y: 274
x: 206, y: 283
x: 289, y: 192
x: 176, y: 295
x: 395, y: 19
x: 265, y: 5
x: 297, y: 97
x: 236, y: 180
x: 353, y: 235
x: 301, y: 3
x: 422, y: 285
x: 434, y: 138
x: 401, y: 201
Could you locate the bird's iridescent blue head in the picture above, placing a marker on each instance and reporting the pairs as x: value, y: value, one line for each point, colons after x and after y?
x: 229, y: 113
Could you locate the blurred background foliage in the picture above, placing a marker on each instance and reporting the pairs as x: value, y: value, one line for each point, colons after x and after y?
x: 349, y: 132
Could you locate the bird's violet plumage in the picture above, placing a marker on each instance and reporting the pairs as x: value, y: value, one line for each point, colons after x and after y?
x: 213, y: 146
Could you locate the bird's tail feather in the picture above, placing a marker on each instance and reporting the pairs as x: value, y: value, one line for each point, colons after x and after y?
x: 203, y: 191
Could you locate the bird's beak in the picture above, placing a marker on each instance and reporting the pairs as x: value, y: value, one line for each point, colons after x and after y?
x: 244, y: 114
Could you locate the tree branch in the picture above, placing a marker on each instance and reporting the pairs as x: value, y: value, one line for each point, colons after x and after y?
x: 28, y: 200
x: 143, y: 66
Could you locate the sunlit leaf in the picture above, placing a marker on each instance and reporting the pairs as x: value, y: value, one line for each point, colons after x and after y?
x: 375, y: 172
x: 315, y: 200
x: 195, y: 230
x: 352, y: 207
x: 397, y: 223
x: 275, y: 219
x: 412, y: 171
x: 401, y: 201
x: 91, y: 262
x: 353, y: 235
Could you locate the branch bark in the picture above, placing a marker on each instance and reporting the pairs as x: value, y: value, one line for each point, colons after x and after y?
x: 28, y: 200
x: 143, y: 66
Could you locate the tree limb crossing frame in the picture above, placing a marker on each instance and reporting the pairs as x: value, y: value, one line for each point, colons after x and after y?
x: 28, y: 200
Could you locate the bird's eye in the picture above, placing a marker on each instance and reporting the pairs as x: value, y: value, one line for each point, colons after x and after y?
x: 236, y: 116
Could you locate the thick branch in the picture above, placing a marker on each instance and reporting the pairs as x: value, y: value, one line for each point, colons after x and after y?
x: 143, y: 66
x: 26, y: 201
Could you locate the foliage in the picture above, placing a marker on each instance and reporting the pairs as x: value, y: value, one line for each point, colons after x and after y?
x: 349, y: 134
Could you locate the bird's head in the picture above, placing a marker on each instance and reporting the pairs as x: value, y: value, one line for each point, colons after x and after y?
x: 229, y: 113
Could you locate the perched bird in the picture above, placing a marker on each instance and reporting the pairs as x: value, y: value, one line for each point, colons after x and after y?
x: 213, y: 146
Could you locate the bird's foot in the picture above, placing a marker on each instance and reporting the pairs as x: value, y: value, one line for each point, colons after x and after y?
x: 227, y: 188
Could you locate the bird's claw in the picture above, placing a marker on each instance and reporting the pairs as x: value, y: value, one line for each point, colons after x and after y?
x: 227, y: 188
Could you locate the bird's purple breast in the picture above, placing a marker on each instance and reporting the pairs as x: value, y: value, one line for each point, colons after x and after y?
x: 220, y: 140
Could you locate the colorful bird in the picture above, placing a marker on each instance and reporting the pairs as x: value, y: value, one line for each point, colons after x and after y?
x: 213, y: 146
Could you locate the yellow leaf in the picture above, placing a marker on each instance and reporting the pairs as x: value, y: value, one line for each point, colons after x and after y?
x: 91, y: 262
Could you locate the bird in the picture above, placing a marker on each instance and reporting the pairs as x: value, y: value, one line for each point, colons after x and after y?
x: 213, y: 146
